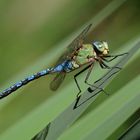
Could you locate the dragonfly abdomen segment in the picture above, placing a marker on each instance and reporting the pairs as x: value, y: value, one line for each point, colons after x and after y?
x: 21, y: 83
x: 66, y: 66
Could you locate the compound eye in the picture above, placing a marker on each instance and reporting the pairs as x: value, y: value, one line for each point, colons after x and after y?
x: 101, y: 47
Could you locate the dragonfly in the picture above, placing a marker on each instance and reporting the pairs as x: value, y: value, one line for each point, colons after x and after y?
x: 77, y: 55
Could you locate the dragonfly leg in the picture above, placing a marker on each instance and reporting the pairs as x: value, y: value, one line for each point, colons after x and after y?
x: 75, y: 76
x: 87, y: 77
x: 113, y: 57
x: 105, y: 66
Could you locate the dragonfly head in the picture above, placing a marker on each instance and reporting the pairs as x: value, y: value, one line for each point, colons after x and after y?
x: 101, y: 47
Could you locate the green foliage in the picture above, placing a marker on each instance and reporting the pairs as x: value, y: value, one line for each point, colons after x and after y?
x: 34, y: 34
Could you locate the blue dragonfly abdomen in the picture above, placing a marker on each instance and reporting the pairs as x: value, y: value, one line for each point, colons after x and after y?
x: 21, y: 83
x: 65, y: 66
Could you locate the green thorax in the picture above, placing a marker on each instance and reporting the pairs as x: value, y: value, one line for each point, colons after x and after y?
x: 84, y: 53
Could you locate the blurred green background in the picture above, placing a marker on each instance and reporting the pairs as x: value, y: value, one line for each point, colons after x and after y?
x: 34, y: 33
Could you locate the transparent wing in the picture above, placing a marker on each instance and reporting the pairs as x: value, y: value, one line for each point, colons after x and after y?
x: 74, y: 45
x: 54, y: 85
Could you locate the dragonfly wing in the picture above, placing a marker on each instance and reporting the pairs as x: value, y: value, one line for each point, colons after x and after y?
x: 78, y: 41
x: 74, y: 45
x: 54, y: 85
